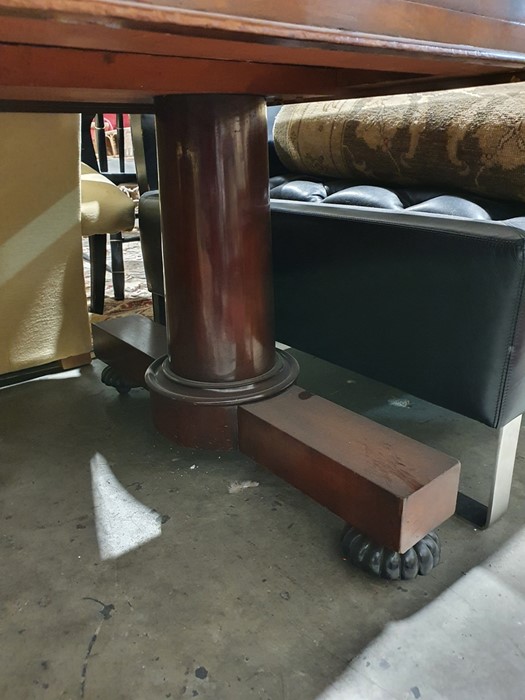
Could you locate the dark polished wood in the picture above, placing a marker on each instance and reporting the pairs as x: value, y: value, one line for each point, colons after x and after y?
x: 192, y: 425
x: 390, y: 487
x: 212, y: 157
x: 129, y: 344
x: 136, y: 78
x: 213, y: 164
x: 129, y: 52
x: 496, y: 25
x: 213, y: 167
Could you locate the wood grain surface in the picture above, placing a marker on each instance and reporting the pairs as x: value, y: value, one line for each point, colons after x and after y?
x: 392, y: 488
x: 129, y: 52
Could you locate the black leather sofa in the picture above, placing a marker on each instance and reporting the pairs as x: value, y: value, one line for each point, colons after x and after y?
x: 423, y: 291
x: 419, y: 288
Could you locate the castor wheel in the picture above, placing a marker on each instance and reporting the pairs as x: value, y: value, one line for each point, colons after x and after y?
x: 387, y: 563
x: 111, y: 377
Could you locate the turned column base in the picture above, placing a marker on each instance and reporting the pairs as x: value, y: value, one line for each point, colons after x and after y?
x: 204, y: 414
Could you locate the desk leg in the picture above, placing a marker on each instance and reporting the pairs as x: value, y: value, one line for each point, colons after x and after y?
x: 216, y: 245
x: 222, y: 385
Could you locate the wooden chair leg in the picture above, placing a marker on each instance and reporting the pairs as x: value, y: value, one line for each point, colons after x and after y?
x: 159, y: 308
x: 97, y: 264
x: 117, y: 265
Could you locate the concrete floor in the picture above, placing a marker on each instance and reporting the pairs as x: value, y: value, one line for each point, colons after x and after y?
x: 230, y: 596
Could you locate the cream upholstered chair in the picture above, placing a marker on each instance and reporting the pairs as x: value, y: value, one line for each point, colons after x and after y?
x: 104, y: 209
x: 48, y: 201
x: 43, y: 308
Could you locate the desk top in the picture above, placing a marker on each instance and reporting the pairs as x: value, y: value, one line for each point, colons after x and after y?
x: 125, y: 52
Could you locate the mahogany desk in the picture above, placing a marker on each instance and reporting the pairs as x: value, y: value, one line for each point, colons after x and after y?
x: 205, y: 67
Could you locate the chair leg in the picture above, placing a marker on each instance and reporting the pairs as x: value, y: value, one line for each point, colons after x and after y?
x: 117, y: 265
x: 159, y: 308
x: 479, y: 514
x: 97, y: 264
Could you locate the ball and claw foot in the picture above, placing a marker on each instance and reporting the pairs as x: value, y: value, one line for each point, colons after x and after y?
x: 111, y: 377
x: 386, y: 563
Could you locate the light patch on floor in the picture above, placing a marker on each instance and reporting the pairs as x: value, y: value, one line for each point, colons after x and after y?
x: 68, y: 374
x: 448, y: 649
x: 122, y: 522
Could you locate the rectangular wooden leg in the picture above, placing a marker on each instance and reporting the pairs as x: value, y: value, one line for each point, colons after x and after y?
x: 392, y: 488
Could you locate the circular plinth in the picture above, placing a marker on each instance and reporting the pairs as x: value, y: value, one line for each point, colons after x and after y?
x: 204, y: 414
x: 160, y: 379
x: 386, y: 563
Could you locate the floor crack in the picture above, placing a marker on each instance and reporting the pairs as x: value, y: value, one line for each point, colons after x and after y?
x: 106, y: 613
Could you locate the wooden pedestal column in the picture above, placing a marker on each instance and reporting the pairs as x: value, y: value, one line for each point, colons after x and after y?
x: 213, y: 167
x: 223, y: 385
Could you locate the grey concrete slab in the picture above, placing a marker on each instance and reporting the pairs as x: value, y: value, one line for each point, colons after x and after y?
x: 468, y: 643
x: 241, y: 595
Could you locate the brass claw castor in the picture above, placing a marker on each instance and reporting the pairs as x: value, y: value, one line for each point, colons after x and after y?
x: 387, y: 563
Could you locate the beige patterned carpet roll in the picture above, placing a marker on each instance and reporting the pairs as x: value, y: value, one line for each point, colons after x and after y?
x: 471, y: 139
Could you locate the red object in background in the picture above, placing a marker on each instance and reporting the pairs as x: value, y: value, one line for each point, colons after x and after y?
x: 111, y: 119
x: 110, y: 124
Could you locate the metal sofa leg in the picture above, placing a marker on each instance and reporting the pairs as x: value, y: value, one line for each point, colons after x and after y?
x: 502, y: 480
x: 478, y: 513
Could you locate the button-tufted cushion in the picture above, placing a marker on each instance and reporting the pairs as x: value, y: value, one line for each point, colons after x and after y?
x: 452, y: 206
x: 366, y: 196
x: 470, y: 139
x: 416, y: 200
x: 300, y: 190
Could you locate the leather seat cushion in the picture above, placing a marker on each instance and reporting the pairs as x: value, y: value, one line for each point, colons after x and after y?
x: 304, y: 188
